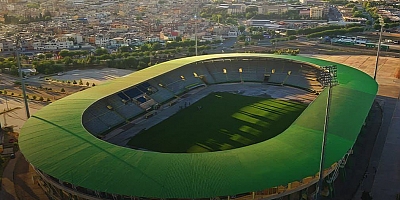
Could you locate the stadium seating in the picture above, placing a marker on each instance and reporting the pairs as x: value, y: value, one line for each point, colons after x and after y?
x: 249, y: 74
x: 127, y: 110
x: 277, y: 78
x: 131, y: 102
x: 298, y: 81
x: 201, y: 70
x: 133, y: 92
x: 221, y: 72
x: 111, y: 118
x: 162, y: 94
x: 95, y: 126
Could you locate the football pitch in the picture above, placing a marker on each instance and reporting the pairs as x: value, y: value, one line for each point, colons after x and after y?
x: 217, y: 122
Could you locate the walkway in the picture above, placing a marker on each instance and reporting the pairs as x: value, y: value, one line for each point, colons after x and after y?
x: 7, y: 191
x: 18, y: 181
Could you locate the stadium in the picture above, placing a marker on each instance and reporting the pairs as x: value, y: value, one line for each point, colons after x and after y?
x: 241, y: 125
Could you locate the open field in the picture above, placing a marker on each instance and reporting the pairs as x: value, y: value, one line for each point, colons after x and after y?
x: 219, y: 121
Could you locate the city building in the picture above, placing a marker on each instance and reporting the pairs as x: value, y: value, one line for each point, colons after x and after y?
x: 316, y: 12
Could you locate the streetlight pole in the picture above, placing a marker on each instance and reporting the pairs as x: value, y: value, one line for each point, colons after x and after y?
x: 328, y: 79
x: 379, y: 48
x: 21, y: 78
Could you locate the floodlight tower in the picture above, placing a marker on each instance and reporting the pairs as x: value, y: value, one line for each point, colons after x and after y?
x: 328, y: 79
x: 21, y: 78
x: 195, y: 30
x: 379, y: 47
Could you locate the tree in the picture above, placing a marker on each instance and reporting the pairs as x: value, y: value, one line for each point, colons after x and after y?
x: 350, y: 5
x: 155, y: 46
x: 130, y: 62
x: 64, y: 53
x: 67, y: 60
x: 48, y: 55
x: 145, y: 47
x: 178, y: 38
x: 41, y: 56
x: 290, y: 32
x: 241, y: 38
x: 257, y: 36
x: 125, y: 49
x: 241, y: 28
x: 141, y: 65
x: 250, y: 15
x: 80, y: 82
x: 87, y: 84
x: 100, y: 51
x: 62, y: 90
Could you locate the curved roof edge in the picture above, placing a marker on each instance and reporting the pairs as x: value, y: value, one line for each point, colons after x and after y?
x: 55, y: 141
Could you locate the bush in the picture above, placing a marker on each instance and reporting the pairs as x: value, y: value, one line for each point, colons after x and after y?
x: 93, y: 85
x: 74, y: 82
x: 62, y: 90
x: 48, y: 99
x: 34, y: 97
x: 80, y: 82
x: 398, y: 74
x: 41, y: 98
x: 87, y: 84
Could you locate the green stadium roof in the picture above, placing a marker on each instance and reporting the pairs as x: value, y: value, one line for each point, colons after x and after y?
x: 55, y: 142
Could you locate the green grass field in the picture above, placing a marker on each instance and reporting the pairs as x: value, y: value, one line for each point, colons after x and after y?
x: 225, y: 121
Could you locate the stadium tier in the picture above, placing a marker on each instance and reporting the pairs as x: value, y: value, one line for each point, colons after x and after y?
x: 74, y: 163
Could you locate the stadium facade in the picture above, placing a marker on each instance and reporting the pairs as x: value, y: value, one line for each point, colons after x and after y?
x: 63, y: 141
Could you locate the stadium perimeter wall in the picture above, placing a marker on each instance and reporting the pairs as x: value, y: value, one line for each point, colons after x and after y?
x: 56, y: 143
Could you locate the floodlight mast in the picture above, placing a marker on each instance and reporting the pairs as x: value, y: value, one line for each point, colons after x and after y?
x: 328, y: 79
x: 28, y: 115
x: 195, y: 30
x: 379, y: 47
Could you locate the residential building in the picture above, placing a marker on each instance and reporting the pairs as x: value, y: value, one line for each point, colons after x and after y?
x: 304, y: 2
x: 101, y: 40
x: 6, y: 45
x: 316, y: 12
x: 304, y: 13
x: 268, y: 9
x: 52, y: 45
x: 236, y: 9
